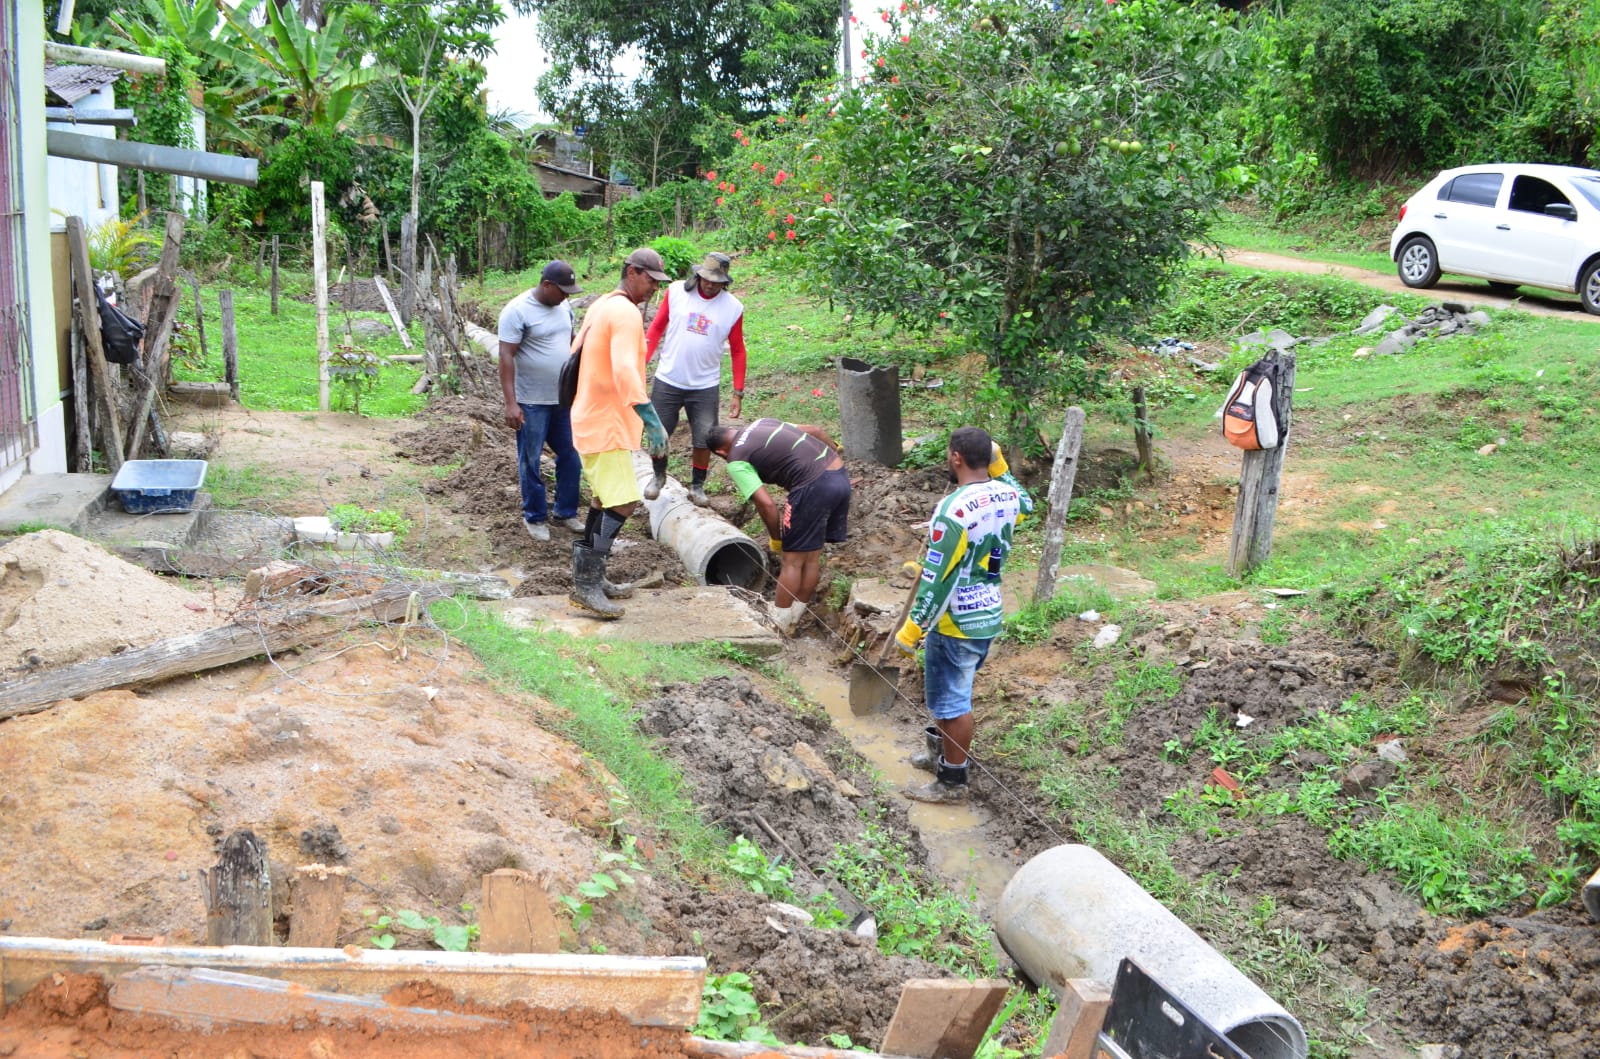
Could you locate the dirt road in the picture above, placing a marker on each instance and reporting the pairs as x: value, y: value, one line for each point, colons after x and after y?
x: 1540, y: 303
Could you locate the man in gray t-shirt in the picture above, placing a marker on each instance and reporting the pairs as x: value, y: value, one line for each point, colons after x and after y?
x: 535, y: 338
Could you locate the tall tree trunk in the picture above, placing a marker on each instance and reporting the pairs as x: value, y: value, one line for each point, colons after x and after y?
x: 408, y: 232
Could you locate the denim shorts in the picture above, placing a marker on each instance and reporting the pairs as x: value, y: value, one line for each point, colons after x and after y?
x: 951, y: 664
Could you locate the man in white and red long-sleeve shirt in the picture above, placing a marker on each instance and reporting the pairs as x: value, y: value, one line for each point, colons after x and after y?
x: 696, y: 317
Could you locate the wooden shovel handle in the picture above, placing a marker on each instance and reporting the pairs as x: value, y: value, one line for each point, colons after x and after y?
x: 905, y: 608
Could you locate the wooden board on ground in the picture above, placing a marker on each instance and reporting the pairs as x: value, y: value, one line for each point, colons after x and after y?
x: 514, y: 915
x: 647, y: 991
x: 1078, y: 1019
x: 659, y: 616
x: 943, y: 1018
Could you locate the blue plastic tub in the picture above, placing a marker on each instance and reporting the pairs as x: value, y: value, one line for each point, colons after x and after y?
x: 146, y: 487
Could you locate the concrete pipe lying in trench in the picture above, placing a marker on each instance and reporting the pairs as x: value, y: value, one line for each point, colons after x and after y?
x: 714, y: 552
x: 1070, y: 913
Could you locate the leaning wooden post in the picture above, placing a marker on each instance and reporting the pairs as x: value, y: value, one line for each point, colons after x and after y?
x: 274, y: 275
x: 199, y: 314
x: 1259, y: 477
x: 230, y: 343
x: 82, y: 401
x: 394, y: 312
x: 83, y: 280
x: 239, y: 893
x: 319, y: 269
x: 1062, y: 474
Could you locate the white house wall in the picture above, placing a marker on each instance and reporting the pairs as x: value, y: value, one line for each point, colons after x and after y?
x: 85, y: 189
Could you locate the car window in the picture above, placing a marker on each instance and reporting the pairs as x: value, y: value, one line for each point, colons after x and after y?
x: 1589, y: 188
x: 1478, y: 189
x: 1532, y: 194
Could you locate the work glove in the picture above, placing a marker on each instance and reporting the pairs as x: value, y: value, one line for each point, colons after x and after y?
x: 997, y: 460
x: 775, y: 545
x: 909, y: 638
x: 655, y: 435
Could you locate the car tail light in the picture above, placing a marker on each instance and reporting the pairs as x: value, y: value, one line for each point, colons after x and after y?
x: 1403, y: 206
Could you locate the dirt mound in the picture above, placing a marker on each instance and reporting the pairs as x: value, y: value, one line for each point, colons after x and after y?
x: 110, y: 806
x: 63, y: 599
x: 884, y: 506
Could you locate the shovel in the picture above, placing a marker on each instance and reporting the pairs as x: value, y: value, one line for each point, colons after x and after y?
x: 873, y: 688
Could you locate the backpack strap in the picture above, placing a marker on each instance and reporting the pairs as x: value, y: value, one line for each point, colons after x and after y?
x: 588, y: 318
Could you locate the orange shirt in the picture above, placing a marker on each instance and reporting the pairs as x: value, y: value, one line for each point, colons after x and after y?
x: 611, y: 380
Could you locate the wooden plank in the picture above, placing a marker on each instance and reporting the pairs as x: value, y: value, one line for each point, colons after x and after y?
x: 1062, y: 474
x: 514, y: 915
x: 160, y: 320
x: 230, y: 344
x: 318, y: 904
x: 394, y: 311
x: 1078, y: 1019
x: 1259, y: 477
x: 239, y: 893
x: 82, y: 401
x: 99, y: 372
x: 943, y: 1018
x: 319, y: 271
x: 197, y: 652
x: 647, y: 991
x: 203, y: 999
x: 204, y: 394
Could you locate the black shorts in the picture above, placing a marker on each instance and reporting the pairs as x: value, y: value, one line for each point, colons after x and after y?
x: 700, y: 404
x: 817, y: 512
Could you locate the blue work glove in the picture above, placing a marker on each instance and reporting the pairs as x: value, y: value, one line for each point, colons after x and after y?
x: 655, y: 435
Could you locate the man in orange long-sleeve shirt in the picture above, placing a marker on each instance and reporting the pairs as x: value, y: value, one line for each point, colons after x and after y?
x: 608, y: 413
x: 695, y: 319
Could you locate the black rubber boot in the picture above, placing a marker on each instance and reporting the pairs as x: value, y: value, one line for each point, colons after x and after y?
x: 949, y: 787
x: 653, y: 490
x: 588, y: 579
x: 927, y: 759
x: 606, y: 529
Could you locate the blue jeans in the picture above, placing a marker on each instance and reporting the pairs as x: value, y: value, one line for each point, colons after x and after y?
x: 547, y: 424
x: 949, y: 667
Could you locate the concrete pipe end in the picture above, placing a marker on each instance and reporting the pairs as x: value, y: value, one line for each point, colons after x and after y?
x: 1270, y: 1037
x: 738, y: 563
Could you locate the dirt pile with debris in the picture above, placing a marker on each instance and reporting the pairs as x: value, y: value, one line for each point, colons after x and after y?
x: 64, y: 599
x: 791, y: 784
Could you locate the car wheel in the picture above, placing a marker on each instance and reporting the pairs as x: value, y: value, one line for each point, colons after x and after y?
x: 1418, y: 262
x: 1500, y: 287
x: 1589, y: 287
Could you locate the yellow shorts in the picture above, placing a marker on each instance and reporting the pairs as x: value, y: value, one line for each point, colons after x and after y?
x: 612, y: 478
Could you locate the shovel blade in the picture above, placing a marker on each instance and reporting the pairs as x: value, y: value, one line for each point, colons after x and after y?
x: 872, y: 688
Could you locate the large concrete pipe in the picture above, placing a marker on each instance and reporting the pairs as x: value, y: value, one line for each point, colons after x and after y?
x: 714, y: 552
x: 1070, y: 913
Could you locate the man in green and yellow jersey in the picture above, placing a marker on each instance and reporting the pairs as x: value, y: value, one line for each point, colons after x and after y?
x: 957, y: 603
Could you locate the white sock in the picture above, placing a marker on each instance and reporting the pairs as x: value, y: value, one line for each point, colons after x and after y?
x: 787, y: 617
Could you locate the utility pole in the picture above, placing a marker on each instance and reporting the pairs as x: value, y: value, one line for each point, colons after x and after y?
x: 844, y: 38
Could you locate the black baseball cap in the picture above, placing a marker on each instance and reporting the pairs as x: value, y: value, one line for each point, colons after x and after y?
x: 560, y: 273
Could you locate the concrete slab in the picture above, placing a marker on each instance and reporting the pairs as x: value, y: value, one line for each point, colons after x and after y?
x: 65, y: 501
x: 178, y: 529
x: 1113, y: 580
x: 705, y: 613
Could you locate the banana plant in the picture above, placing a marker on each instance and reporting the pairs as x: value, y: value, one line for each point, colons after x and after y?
x: 313, y: 77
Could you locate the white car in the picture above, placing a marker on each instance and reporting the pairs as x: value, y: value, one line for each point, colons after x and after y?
x: 1537, y: 225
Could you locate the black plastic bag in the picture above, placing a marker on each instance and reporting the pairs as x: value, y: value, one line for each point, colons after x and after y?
x: 120, y: 334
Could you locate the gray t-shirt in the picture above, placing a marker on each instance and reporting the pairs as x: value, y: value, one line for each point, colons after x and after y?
x: 543, y: 334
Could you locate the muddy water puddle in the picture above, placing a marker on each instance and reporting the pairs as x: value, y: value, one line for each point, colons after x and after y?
x: 957, y: 838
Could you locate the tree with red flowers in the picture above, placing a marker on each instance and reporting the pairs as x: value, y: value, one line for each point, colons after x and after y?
x: 1028, y: 176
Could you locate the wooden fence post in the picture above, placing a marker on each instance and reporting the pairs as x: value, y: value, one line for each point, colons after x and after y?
x: 318, y: 904
x: 319, y: 268
x: 514, y: 915
x: 199, y: 314
x: 1259, y: 476
x: 230, y: 343
x: 408, y: 267
x: 1062, y: 474
x: 1141, y: 434
x: 83, y: 280
x: 82, y: 400
x: 239, y: 893
x: 274, y: 275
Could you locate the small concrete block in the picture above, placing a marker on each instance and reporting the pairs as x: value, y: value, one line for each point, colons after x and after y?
x: 63, y: 500
x: 1078, y: 1019
x: 1439, y: 1051
x: 204, y: 394
x: 278, y: 578
x: 190, y: 444
x: 315, y: 529
x: 1591, y: 896
x: 660, y: 616
x: 942, y: 1018
x: 1117, y: 582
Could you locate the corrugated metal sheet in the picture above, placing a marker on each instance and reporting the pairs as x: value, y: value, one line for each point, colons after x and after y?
x: 71, y: 83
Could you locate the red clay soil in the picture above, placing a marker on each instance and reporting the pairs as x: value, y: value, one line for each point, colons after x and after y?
x: 68, y: 1017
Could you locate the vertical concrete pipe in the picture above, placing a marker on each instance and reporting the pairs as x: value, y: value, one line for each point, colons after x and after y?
x: 1070, y: 913
x: 869, y: 411
x: 714, y: 552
